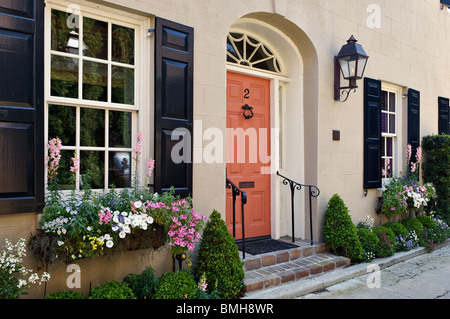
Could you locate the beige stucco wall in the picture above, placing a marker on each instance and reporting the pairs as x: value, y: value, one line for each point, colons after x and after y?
x: 408, y: 49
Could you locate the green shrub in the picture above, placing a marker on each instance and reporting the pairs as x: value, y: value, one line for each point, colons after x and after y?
x: 398, y: 229
x: 176, y: 285
x: 112, y: 290
x: 66, y: 294
x: 436, y: 169
x: 434, y: 234
x: 413, y: 224
x: 340, y: 232
x: 218, y: 258
x: 143, y: 285
x: 386, y: 241
x: 369, y: 243
x: 426, y: 221
x: 404, y: 239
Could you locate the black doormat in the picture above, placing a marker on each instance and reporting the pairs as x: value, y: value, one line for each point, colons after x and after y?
x: 265, y: 246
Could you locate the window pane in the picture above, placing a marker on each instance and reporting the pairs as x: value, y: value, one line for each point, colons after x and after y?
x: 62, y: 123
x: 122, y: 85
x: 95, y: 38
x: 391, y: 102
x: 384, y: 101
x: 95, y: 81
x: 122, y: 44
x: 392, y: 123
x: 389, y: 146
x: 119, y: 169
x: 64, y: 77
x: 64, y: 33
x: 94, y: 163
x: 64, y: 173
x: 383, y: 122
x: 119, y: 129
x: 92, y: 127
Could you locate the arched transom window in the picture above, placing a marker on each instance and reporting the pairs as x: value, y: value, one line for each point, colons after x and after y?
x: 245, y: 50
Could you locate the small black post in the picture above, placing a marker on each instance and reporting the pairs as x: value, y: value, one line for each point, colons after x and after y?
x: 292, y: 209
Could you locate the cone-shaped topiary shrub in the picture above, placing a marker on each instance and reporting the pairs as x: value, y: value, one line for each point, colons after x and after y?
x: 218, y: 258
x: 339, y: 231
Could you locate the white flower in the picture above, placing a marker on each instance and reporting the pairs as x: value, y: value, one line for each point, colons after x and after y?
x: 60, y: 243
x: 122, y: 234
x: 89, y: 228
x: 109, y: 244
x: 138, y: 204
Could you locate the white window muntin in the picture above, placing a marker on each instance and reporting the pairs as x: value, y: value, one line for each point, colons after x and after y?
x: 82, y: 9
x: 395, y: 135
x: 141, y: 102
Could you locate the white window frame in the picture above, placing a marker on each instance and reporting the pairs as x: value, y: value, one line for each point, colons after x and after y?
x: 397, y: 138
x: 142, y: 110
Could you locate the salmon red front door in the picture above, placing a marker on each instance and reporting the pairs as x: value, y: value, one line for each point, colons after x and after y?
x: 248, y: 152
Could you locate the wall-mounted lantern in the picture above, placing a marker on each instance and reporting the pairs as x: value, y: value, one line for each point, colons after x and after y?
x: 351, y: 62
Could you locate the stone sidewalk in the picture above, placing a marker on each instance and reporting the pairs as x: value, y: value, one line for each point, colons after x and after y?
x: 311, y: 284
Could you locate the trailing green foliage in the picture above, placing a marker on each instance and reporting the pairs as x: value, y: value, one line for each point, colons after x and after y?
x: 339, y: 230
x: 386, y: 241
x: 112, y: 290
x: 176, y: 285
x: 218, y: 258
x: 436, y: 169
x: 143, y: 285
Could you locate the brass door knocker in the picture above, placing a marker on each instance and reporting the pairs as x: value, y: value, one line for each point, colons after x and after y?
x: 246, y: 108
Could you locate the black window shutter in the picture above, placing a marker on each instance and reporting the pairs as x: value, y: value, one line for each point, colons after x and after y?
x: 174, y: 58
x: 444, y: 125
x: 413, y: 121
x: 21, y: 106
x: 372, y: 133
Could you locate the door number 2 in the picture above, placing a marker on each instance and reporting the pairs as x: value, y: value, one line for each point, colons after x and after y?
x: 246, y: 94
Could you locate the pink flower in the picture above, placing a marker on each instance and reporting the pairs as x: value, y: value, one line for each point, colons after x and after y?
x: 418, y: 154
x: 138, y: 148
x: 408, y: 153
x: 76, y: 163
x: 150, y: 167
x: 52, y: 161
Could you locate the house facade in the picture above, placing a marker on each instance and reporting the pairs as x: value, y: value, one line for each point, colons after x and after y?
x: 218, y: 89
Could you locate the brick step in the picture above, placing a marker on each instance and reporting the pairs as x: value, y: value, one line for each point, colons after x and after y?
x: 277, y: 274
x: 306, y: 260
x: 304, y: 249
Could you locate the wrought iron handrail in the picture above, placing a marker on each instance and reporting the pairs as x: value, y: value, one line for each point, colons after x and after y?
x: 236, y: 191
x: 313, y: 192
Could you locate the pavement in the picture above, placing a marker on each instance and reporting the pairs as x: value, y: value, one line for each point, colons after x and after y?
x: 314, y: 285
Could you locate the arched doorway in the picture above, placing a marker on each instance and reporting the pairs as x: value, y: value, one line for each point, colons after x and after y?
x: 259, y: 51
